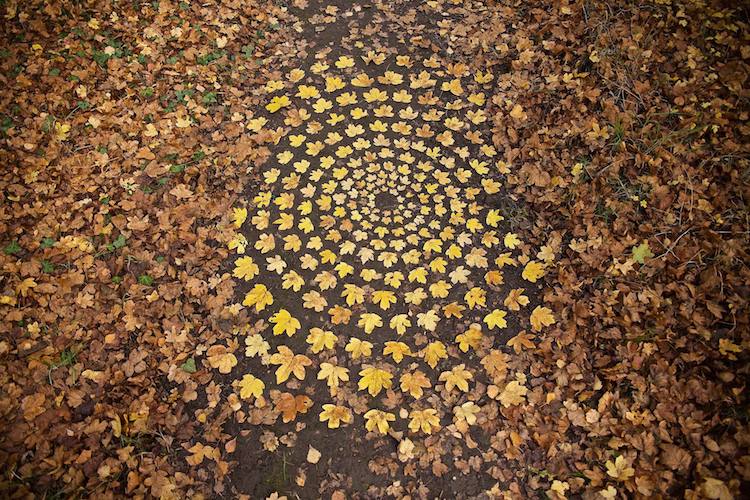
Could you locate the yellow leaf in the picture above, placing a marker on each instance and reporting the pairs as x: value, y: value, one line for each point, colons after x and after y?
x: 434, y: 352
x: 334, y: 415
x: 470, y: 338
x: 467, y: 412
x: 533, y: 271
x: 620, y: 469
x: 219, y: 358
x: 424, y: 420
x: 396, y: 349
x: 516, y: 299
x: 259, y: 297
x: 414, y: 383
x: 374, y: 380
x: 24, y: 286
x: 332, y: 374
x: 378, y: 419
x: 284, y: 322
x: 251, y: 386
x: 384, y: 298
x: 541, y: 317
x: 289, y: 364
x: 321, y: 339
x: 458, y: 376
x: 496, y: 319
x: 521, y: 341
x: 513, y: 394
x: 476, y: 297
x: 369, y: 321
x: 400, y: 323
x: 358, y: 348
x: 245, y: 268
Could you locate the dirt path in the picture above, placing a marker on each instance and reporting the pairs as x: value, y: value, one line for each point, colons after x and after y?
x: 376, y: 253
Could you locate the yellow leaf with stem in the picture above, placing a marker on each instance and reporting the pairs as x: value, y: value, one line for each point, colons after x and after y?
x: 496, y: 319
x: 333, y: 374
x: 458, y: 376
x: 245, y: 268
x: 424, y: 420
x: 259, y: 297
x: 396, y: 349
x: 290, y: 364
x: 533, y: 271
x: 358, y: 348
x: 321, y: 339
x: 434, y: 352
x: 369, y: 321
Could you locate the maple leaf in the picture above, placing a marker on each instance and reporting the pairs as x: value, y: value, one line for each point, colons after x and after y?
x: 458, y: 376
x: 511, y: 240
x: 476, y: 297
x: 541, y: 317
x: 239, y: 215
x: 259, y: 297
x: 428, y: 320
x: 290, y: 405
x: 400, y: 323
x: 251, y: 386
x: 384, y: 298
x: 470, y: 338
x: 358, y: 348
x: 200, y: 451
x: 284, y: 322
x: 374, y: 380
x: 332, y: 374
x: 521, y: 341
x: 642, y: 252
x: 513, y: 394
x: 321, y: 339
x: 340, y: 315
x: 516, y: 299
x: 219, y: 358
x: 496, y: 319
x: 533, y: 271
x: 315, y: 301
x: 245, y: 268
x: 414, y: 383
x: 334, y: 415
x: 378, y: 419
x: 369, y: 321
x: 620, y: 469
x: 397, y: 349
x: 353, y: 294
x: 424, y: 420
x: 24, y: 286
x: 434, y: 352
x: 255, y: 344
x: 289, y: 364
x: 495, y: 364
x: 454, y: 309
x: 467, y: 412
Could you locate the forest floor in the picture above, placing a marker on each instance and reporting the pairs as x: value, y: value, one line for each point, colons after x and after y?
x: 374, y: 249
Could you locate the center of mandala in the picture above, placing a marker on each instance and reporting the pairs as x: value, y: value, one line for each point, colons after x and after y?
x: 386, y: 201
